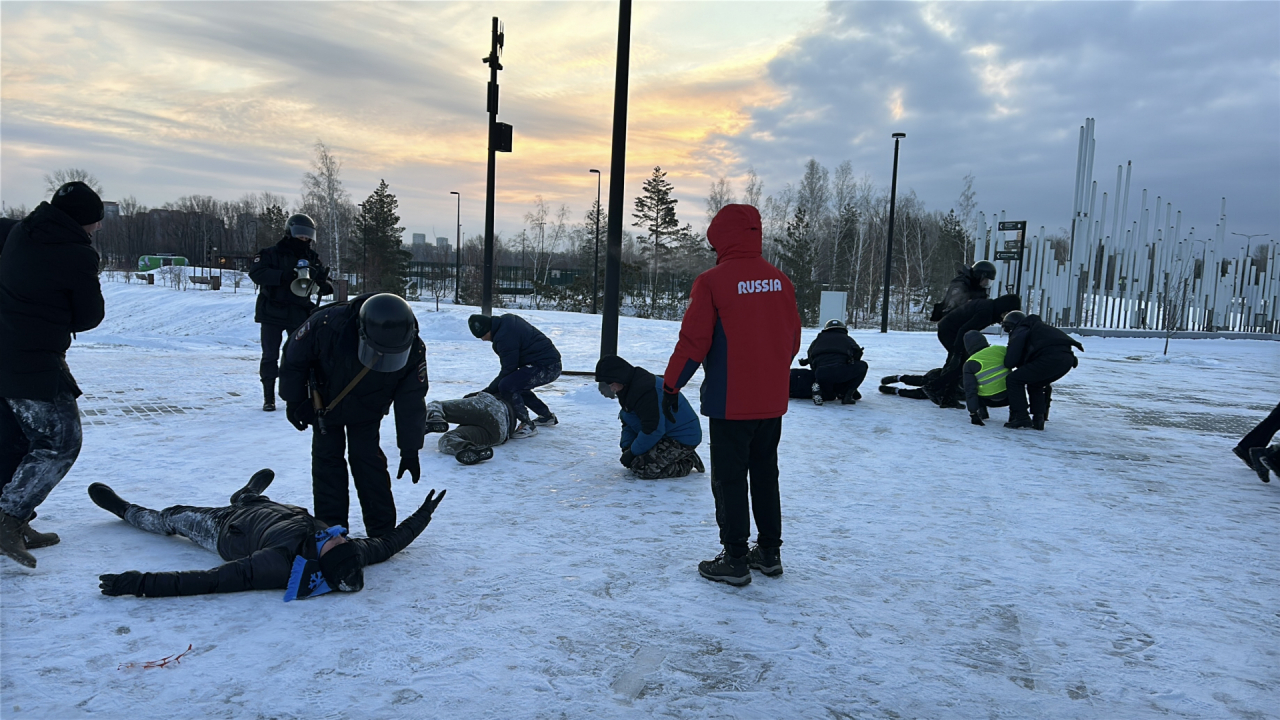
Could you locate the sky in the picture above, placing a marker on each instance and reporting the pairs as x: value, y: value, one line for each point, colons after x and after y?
x: 165, y: 99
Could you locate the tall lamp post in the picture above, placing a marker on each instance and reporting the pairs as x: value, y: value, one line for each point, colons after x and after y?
x: 457, y: 258
x: 617, y: 177
x: 888, y: 252
x: 595, y: 265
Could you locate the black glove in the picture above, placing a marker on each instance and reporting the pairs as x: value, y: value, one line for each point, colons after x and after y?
x: 626, y: 459
x: 975, y: 419
x: 288, y: 276
x: 804, y: 361
x: 410, y: 462
x: 126, y: 583
x: 300, y: 415
x: 432, y: 501
x: 670, y: 403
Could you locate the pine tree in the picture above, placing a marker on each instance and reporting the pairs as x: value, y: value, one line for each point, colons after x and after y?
x: 798, y: 256
x: 384, y: 261
x: 656, y: 214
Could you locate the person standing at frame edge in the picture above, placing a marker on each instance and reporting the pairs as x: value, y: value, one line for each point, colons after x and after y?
x: 279, y: 308
x: 48, y: 291
x: 743, y: 327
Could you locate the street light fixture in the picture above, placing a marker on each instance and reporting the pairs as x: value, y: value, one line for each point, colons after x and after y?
x: 457, y: 258
x: 595, y: 265
x: 888, y: 253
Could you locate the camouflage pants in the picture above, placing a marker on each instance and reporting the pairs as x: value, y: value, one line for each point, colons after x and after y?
x: 39, y: 442
x: 480, y: 420
x: 668, y: 459
x: 200, y: 525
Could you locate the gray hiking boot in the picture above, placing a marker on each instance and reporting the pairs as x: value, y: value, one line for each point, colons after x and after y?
x: 546, y: 420
x: 726, y: 569
x: 11, y: 542
x: 525, y: 430
x: 766, y: 560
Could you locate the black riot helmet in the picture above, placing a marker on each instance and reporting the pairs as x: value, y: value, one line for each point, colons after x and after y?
x: 984, y: 270
x: 301, y: 226
x: 1011, y: 320
x: 387, y: 331
x: 833, y: 323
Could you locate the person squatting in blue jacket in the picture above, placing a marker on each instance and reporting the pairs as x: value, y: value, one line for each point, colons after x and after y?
x: 529, y: 360
x: 652, y: 446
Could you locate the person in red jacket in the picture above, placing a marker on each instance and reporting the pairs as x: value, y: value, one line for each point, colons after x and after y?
x: 743, y: 328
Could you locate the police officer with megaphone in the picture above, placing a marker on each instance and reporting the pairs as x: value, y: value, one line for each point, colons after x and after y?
x: 287, y: 274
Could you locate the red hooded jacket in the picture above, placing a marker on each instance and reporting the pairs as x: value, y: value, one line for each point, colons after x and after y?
x: 742, y: 325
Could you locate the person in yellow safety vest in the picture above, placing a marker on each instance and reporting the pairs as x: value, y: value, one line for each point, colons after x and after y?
x: 984, y: 376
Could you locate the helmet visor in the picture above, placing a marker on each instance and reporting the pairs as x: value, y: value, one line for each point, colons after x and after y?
x: 302, y: 231
x: 379, y: 361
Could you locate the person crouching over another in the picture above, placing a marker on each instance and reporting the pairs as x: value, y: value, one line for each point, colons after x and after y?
x: 984, y: 376
x: 837, y: 364
x: 652, y: 446
x: 1039, y: 355
x: 267, y: 545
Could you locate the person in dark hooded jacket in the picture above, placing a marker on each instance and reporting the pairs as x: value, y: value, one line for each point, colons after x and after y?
x: 48, y: 291
x: 279, y: 309
x: 365, y: 356
x: 837, y: 365
x: 984, y: 376
x: 1039, y: 355
x: 970, y: 283
x: 267, y: 545
x: 529, y: 360
x: 652, y: 446
x: 973, y: 315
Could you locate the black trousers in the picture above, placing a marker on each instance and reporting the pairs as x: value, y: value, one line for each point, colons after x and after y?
x: 836, y: 380
x: 269, y: 368
x: 1261, y: 435
x: 1033, y: 380
x: 368, y: 469
x: 742, y: 448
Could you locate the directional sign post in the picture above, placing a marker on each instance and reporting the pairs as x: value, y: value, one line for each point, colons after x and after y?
x: 1014, y: 248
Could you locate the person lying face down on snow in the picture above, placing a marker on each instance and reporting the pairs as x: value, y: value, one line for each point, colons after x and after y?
x: 652, y: 446
x: 483, y: 420
x: 267, y: 545
x: 915, y: 386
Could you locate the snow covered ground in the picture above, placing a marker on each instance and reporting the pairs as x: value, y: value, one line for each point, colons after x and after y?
x: 1121, y: 564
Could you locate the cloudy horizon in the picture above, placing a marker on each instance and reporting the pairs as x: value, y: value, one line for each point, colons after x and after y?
x: 161, y: 100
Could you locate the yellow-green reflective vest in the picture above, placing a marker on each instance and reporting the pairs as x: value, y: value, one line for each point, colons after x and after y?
x: 991, y: 376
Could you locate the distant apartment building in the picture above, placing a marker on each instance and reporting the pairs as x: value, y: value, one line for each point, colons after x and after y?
x: 442, y: 243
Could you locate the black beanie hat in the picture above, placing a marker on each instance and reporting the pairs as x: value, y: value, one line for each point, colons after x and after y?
x: 80, y: 202
x: 342, y: 568
x: 479, y: 324
x: 1006, y: 303
x: 613, y: 369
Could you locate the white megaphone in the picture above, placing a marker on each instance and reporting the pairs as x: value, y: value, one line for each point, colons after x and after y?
x: 304, y: 285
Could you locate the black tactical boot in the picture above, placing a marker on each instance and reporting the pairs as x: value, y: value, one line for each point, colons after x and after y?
x: 888, y: 379
x: 1017, y: 423
x: 268, y: 396
x: 817, y: 394
x: 766, y: 560
x: 851, y: 397
x: 888, y: 390
x: 107, y: 499
x: 257, y: 484
x: 11, y: 542
x: 1037, y: 422
x: 726, y: 569
x: 473, y: 456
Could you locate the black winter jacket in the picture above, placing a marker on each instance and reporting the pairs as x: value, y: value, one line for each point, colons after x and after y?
x: 260, y: 539
x: 973, y: 315
x: 48, y: 290
x: 277, y: 305
x: 328, y: 341
x: 1032, y: 338
x: 517, y: 343
x: 963, y: 288
x: 833, y: 346
x: 6, y: 225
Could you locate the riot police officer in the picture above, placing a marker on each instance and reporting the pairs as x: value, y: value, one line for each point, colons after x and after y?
x: 282, y: 305
x: 342, y: 371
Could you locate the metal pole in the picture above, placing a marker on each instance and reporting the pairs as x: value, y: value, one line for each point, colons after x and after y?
x: 888, y: 252
x: 486, y: 304
x: 617, y: 176
x: 595, y: 265
x: 457, y: 258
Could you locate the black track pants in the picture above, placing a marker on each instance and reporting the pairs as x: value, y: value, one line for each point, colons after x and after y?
x: 742, y: 448
x: 1261, y: 435
x: 269, y: 368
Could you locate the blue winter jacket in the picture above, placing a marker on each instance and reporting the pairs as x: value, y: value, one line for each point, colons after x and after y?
x: 686, y: 429
x: 517, y: 343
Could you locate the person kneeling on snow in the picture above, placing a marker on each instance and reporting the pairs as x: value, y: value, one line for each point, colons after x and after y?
x: 837, y: 364
x: 652, y: 446
x: 483, y: 420
x: 267, y: 545
x: 984, y: 376
x: 1039, y: 356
